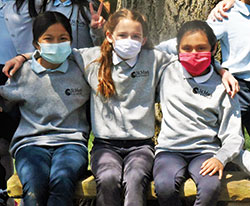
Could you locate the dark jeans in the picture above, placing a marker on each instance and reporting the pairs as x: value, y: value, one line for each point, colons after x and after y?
x: 172, y: 169
x: 49, y: 174
x: 122, y: 170
x: 244, y: 98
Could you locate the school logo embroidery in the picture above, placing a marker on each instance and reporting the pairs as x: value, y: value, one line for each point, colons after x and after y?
x: 142, y: 73
x: 202, y: 92
x: 73, y: 91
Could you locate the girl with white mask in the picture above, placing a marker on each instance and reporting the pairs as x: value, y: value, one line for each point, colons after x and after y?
x: 123, y: 75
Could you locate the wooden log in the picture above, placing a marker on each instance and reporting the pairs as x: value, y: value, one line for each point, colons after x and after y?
x: 235, y: 188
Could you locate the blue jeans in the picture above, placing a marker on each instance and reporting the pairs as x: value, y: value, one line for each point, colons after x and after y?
x: 49, y: 174
x: 171, y: 169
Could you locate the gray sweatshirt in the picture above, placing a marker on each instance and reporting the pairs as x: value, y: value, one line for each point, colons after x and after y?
x: 52, y: 106
x: 198, y: 117
x: 129, y: 114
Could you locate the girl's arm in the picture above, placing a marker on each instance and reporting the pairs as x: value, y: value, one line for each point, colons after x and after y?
x: 230, y: 83
x: 96, y: 24
x: 219, y: 11
x: 15, y: 63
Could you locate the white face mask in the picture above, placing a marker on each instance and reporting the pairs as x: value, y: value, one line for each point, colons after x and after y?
x: 127, y: 48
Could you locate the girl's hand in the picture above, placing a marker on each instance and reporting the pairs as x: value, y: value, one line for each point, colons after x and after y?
x: 97, y: 21
x: 219, y: 11
x: 13, y: 65
x: 230, y: 83
x: 212, y: 166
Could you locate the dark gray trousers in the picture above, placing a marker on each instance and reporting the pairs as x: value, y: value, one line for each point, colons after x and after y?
x: 123, y: 170
x: 172, y: 169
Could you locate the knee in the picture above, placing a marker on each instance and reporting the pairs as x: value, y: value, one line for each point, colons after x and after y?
x: 212, y: 187
x: 209, y: 192
x: 108, y: 179
x: 62, y: 179
x: 165, y: 187
x: 35, y: 189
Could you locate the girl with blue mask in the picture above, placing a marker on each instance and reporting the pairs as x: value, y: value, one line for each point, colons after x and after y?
x: 86, y: 21
x: 54, y: 44
x: 49, y: 145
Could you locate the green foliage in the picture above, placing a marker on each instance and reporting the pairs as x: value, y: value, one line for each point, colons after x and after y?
x: 247, y: 140
x: 90, y: 145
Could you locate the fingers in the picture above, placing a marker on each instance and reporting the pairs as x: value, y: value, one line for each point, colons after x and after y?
x: 230, y: 83
x: 235, y: 89
x: 101, y: 21
x: 227, y: 87
x: 220, y: 174
x: 6, y: 73
x: 228, y: 4
x: 214, y: 171
x: 222, y: 10
x: 211, y: 167
x: 205, y: 167
x: 219, y: 12
x: 7, y: 69
x: 15, y: 68
x: 12, y: 66
x: 232, y: 87
x: 99, y: 11
x: 91, y: 9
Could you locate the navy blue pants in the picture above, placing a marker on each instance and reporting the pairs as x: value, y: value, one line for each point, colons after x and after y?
x: 49, y: 174
x: 172, y: 169
x: 244, y: 98
x: 122, y: 170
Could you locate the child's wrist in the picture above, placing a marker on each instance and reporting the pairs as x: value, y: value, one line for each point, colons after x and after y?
x: 24, y: 57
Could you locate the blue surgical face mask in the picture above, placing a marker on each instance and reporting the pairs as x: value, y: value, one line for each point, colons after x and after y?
x: 55, y: 53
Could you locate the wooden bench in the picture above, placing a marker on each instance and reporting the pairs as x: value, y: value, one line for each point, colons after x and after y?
x: 235, y: 189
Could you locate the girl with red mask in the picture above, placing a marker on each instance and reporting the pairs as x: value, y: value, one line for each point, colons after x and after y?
x: 201, y: 129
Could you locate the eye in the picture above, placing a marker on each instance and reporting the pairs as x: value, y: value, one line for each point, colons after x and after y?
x: 47, y: 38
x: 122, y: 35
x: 64, y: 39
x: 186, y: 48
x: 136, y: 37
x: 201, y: 48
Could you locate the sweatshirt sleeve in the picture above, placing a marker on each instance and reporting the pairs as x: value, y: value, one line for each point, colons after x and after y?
x: 230, y: 131
x: 218, y: 27
x: 97, y: 36
x: 168, y: 46
x: 9, y: 94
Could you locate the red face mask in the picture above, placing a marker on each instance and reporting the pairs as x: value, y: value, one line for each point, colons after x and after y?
x: 195, y: 63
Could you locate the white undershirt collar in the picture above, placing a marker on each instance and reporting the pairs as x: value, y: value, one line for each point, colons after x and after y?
x: 117, y: 60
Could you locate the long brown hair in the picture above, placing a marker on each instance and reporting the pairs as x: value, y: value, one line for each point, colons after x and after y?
x: 106, y: 85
